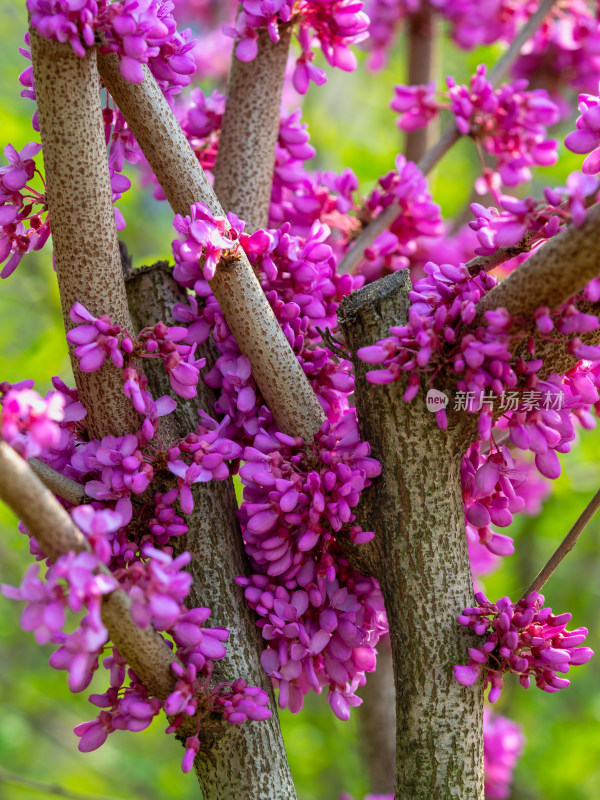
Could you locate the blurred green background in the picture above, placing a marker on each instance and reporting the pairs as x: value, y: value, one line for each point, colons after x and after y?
x: 351, y: 125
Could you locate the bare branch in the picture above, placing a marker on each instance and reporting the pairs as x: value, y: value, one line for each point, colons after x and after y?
x: 59, y: 484
x: 449, y: 137
x: 423, y: 58
x: 246, y: 156
x: 86, y: 247
x: 567, y: 544
x: 54, y: 530
x: 275, y: 368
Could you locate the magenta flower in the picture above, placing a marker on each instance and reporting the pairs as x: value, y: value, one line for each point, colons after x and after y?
x: 586, y: 139
x: 523, y: 638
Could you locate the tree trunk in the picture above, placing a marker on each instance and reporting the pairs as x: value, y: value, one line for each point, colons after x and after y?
x: 246, y: 760
x: 421, y: 562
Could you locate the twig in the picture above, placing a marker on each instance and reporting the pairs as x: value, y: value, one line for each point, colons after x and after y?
x: 545, y: 279
x: 499, y: 72
x: 567, y: 544
x: 333, y: 344
x: 59, y: 484
x: 47, y: 788
x: 449, y: 137
x: 423, y: 58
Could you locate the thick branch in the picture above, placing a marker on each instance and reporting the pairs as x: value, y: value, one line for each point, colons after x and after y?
x: 423, y: 55
x: 276, y: 370
x: 246, y: 157
x: 86, y: 248
x: 553, y: 274
x: 422, y: 563
x: 237, y: 760
x: 48, y: 522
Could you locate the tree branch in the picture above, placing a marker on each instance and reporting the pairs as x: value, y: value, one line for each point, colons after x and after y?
x: 48, y: 522
x: 59, y: 484
x: 565, y: 547
x: 421, y: 561
x: 449, y: 137
x: 86, y: 248
x: 278, y: 374
x: 237, y: 760
x: 246, y: 155
x: 423, y: 56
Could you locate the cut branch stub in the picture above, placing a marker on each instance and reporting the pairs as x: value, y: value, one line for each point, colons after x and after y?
x: 246, y: 760
x: 276, y: 370
x: 84, y: 236
x: 420, y: 559
x: 246, y: 156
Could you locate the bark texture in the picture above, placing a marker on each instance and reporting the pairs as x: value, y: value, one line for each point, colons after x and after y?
x: 420, y: 547
x: 246, y: 760
x: 246, y: 157
x: 275, y: 368
x: 86, y: 248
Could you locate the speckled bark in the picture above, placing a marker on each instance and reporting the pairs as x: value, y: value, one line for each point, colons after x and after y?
x: 246, y: 156
x: 86, y: 248
x: 56, y: 533
x: 416, y: 511
x: 555, y: 272
x: 237, y: 760
x: 275, y: 368
x: 377, y: 723
x: 422, y: 30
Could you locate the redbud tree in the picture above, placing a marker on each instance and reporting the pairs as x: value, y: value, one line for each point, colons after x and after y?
x: 389, y: 387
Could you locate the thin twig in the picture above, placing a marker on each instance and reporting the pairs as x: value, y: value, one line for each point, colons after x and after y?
x: 449, y: 137
x: 567, y: 544
x: 59, y: 484
x: 333, y: 344
x: 46, y: 788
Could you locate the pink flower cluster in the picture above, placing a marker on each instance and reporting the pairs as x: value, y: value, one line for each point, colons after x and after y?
x: 139, y: 31
x: 96, y: 338
x: 321, y: 619
x: 418, y: 217
x: 335, y: 24
x: 17, y: 204
x: 28, y: 422
x: 509, y: 122
x: 527, y: 216
x: 522, y: 638
x: 204, y: 236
